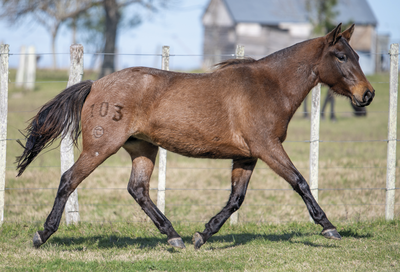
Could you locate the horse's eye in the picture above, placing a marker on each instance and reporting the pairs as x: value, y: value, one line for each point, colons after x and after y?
x: 342, y: 58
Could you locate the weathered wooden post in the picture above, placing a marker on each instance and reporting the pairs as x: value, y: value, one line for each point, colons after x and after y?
x: 67, y: 148
x: 314, y: 140
x: 162, y: 157
x: 4, y: 50
x: 392, y: 132
x: 239, y: 54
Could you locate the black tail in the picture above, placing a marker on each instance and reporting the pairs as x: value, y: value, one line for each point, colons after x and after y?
x: 56, y: 118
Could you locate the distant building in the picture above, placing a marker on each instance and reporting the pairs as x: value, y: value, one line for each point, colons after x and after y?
x: 266, y: 26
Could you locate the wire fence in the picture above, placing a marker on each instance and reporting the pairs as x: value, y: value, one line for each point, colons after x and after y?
x: 226, y: 169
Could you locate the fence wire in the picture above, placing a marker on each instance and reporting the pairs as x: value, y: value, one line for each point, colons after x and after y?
x: 198, y: 168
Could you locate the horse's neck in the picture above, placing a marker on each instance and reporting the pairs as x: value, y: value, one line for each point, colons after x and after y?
x: 296, y: 69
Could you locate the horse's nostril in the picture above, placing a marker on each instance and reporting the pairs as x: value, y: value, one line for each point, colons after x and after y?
x: 368, y: 96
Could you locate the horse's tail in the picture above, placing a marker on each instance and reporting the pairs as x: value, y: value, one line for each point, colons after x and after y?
x: 58, y: 117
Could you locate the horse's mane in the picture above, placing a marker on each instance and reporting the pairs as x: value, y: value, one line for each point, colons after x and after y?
x: 230, y: 62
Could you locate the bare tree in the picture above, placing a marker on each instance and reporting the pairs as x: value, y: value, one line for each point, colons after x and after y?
x: 53, y: 13
x: 112, y: 23
x: 50, y: 14
x: 112, y: 19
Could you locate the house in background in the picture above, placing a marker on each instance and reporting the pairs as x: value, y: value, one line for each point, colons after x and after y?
x: 266, y: 26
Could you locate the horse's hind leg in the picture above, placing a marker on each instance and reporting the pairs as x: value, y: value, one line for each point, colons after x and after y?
x: 143, y: 156
x: 89, y: 159
x: 241, y: 173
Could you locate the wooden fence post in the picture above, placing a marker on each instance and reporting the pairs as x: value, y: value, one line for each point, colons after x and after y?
x: 392, y: 132
x: 162, y: 157
x: 4, y: 50
x: 314, y: 140
x: 67, y: 148
x: 239, y: 54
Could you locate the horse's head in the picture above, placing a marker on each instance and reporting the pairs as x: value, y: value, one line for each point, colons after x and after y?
x: 340, y: 70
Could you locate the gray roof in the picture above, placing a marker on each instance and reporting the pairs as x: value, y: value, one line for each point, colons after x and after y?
x: 273, y: 12
x: 356, y: 11
x: 268, y: 12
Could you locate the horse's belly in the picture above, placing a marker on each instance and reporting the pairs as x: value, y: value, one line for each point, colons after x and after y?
x: 213, y: 151
x: 216, y: 151
x: 198, y: 145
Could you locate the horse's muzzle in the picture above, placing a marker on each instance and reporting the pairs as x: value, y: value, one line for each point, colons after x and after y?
x: 366, y: 99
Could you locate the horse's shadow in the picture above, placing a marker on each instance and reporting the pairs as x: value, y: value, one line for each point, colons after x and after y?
x: 233, y: 240
x: 108, y: 241
x: 241, y: 239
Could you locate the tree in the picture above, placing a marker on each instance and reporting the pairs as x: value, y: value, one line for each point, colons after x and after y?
x: 322, y: 15
x: 50, y: 14
x: 113, y: 22
x: 53, y: 13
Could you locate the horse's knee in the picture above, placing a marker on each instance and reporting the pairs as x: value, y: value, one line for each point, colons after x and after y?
x: 138, y: 192
x: 301, y: 186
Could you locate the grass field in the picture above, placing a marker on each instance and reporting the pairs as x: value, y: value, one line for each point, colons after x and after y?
x: 115, y: 233
x: 367, y: 246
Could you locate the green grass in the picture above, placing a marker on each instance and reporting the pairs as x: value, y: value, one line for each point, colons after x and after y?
x: 366, y: 246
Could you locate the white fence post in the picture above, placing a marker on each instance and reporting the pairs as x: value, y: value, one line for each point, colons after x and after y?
x: 4, y: 50
x: 162, y: 157
x: 30, y: 69
x: 239, y: 51
x: 239, y: 54
x: 314, y: 140
x: 67, y: 148
x: 20, y: 76
x: 392, y: 132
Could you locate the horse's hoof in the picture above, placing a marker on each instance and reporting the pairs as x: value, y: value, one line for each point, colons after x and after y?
x: 197, y: 240
x: 177, y: 243
x: 37, y: 241
x: 331, y: 234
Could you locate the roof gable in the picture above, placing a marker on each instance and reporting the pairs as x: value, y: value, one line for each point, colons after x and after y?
x: 217, y: 14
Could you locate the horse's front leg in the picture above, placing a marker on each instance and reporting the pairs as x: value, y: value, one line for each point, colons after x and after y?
x: 276, y: 158
x: 241, y: 173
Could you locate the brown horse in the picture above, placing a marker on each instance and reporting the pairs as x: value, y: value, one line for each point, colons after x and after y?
x: 241, y: 112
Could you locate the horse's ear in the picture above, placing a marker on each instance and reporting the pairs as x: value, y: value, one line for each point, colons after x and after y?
x: 348, y: 33
x: 333, y: 36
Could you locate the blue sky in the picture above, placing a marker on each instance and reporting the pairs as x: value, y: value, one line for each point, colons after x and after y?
x: 180, y: 28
